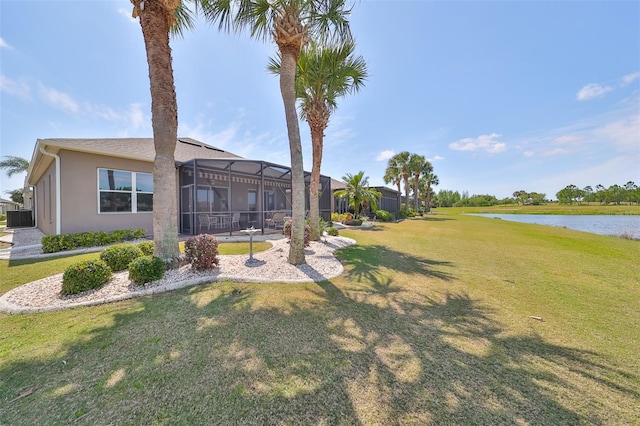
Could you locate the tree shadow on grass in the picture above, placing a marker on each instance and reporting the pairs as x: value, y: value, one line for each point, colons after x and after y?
x: 361, y: 263
x: 231, y: 353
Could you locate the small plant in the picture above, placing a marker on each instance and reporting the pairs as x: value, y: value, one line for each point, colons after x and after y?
x: 83, y: 276
x: 383, y: 215
x: 146, y: 247
x: 146, y: 269
x: 333, y: 231
x: 202, y: 251
x: 286, y: 230
x: 119, y: 256
x: 339, y: 217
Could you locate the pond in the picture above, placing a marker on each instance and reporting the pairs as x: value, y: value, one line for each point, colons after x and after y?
x: 615, y: 225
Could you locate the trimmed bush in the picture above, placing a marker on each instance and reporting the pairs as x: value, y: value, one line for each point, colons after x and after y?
x: 286, y: 230
x: 146, y: 269
x: 333, y: 231
x: 383, y: 215
x: 84, y: 275
x: 56, y: 243
x: 119, y: 256
x: 146, y: 247
x: 202, y: 251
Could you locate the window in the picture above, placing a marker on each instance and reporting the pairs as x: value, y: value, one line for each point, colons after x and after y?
x: 124, y: 192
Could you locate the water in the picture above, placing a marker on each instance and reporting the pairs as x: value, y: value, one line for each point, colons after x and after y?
x: 596, y: 224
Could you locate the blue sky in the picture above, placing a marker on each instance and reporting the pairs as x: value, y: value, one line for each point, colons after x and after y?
x: 499, y: 95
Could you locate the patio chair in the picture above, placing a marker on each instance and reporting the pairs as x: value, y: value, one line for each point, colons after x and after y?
x: 276, y: 220
x: 235, y: 220
x: 204, y: 220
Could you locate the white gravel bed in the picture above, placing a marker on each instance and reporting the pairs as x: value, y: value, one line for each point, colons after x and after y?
x: 268, y: 266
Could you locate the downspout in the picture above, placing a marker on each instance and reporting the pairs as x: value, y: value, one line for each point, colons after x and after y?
x: 58, y: 207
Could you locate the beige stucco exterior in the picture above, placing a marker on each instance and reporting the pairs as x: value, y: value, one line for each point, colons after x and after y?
x: 45, y: 200
x: 79, y: 193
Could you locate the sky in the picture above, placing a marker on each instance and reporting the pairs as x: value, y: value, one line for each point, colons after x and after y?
x: 500, y: 96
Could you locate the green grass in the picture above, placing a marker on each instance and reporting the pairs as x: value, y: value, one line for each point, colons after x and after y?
x: 430, y: 323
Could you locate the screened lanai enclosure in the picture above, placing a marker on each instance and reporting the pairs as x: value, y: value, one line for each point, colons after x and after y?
x: 227, y: 195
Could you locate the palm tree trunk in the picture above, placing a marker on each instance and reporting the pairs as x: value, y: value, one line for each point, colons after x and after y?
x: 416, y: 200
x: 287, y: 89
x: 164, y: 117
x: 427, y: 201
x: 314, y: 184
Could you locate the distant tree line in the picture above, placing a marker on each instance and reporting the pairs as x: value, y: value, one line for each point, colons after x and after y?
x: 449, y: 198
x: 617, y: 194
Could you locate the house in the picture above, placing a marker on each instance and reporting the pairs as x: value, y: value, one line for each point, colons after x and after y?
x: 7, y: 205
x: 389, y: 199
x: 106, y: 184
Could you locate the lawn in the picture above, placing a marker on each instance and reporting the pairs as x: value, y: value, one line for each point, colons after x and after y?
x: 448, y: 319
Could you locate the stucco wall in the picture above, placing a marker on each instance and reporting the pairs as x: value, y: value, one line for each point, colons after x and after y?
x: 46, y: 201
x: 79, y: 190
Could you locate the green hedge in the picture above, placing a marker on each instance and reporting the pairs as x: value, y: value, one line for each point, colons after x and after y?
x: 56, y: 243
x: 146, y: 269
x: 118, y: 256
x: 84, y: 275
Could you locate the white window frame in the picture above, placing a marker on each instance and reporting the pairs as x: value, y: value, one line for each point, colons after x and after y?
x: 134, y: 193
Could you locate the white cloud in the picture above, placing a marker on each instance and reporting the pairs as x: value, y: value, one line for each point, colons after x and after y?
x: 127, y: 13
x: 529, y: 153
x: 4, y: 44
x: 437, y: 158
x: 567, y: 139
x: 554, y: 152
x: 19, y: 89
x: 385, y: 155
x: 487, y: 143
x: 59, y: 99
x: 629, y: 78
x: 592, y: 90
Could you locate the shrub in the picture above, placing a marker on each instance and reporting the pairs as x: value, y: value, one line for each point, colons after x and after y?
x: 202, y: 251
x: 84, y: 275
x: 333, y: 231
x: 145, y: 269
x: 56, y: 243
x: 286, y: 230
x: 339, y: 217
x: 353, y: 222
x: 146, y: 247
x: 119, y: 256
x: 400, y: 214
x: 3, y: 217
x: 383, y: 215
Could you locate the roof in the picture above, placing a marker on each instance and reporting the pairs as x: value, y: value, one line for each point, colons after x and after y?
x: 3, y: 201
x: 133, y: 148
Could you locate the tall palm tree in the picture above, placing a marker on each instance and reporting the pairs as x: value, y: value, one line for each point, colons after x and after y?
x: 358, y: 191
x: 399, y: 167
x: 291, y: 23
x: 14, y: 165
x: 417, y: 166
x: 427, y: 181
x: 158, y: 18
x: 324, y: 74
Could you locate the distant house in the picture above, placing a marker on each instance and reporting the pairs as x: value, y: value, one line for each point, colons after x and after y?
x: 105, y: 184
x: 6, y: 205
x: 389, y: 201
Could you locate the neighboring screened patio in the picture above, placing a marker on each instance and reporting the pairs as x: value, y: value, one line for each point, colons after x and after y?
x: 226, y: 195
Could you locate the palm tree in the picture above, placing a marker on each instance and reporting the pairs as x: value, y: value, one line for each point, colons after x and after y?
x: 358, y: 191
x: 14, y: 165
x: 399, y: 167
x: 291, y: 23
x: 427, y: 181
x: 158, y: 18
x: 324, y: 74
x: 418, y: 165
